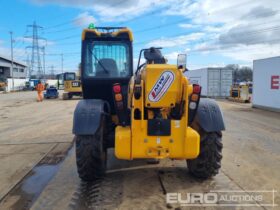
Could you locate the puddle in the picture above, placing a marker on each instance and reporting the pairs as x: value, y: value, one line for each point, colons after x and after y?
x: 29, y: 189
x: 42, y: 175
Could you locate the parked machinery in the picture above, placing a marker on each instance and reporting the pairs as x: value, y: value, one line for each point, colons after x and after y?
x: 70, y: 84
x: 3, y: 84
x: 51, y: 92
x: 152, y: 113
x: 241, y: 93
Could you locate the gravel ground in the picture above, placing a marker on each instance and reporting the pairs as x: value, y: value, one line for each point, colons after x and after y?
x: 34, y: 154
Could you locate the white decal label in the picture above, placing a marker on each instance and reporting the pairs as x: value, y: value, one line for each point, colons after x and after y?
x: 158, y: 140
x: 177, y: 123
x: 160, y: 88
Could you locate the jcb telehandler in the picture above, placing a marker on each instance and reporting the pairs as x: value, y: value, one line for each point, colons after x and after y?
x: 153, y: 113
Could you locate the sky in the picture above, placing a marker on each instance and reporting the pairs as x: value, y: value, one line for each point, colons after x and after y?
x: 213, y: 33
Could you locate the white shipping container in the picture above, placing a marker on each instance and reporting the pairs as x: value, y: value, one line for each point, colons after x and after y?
x: 52, y: 82
x: 215, y: 82
x: 19, y: 84
x: 266, y: 83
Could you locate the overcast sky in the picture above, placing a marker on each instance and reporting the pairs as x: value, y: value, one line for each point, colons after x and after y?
x: 211, y: 32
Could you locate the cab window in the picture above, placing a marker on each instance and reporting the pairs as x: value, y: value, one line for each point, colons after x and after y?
x: 107, y: 59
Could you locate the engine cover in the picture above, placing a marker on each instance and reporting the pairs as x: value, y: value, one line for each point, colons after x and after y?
x: 162, y: 85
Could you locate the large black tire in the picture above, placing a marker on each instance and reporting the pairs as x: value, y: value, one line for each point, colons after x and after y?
x: 208, y: 163
x: 91, y: 155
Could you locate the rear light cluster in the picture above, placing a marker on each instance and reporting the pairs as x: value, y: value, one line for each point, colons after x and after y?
x: 193, y: 102
x: 117, y: 90
x: 194, y: 99
x: 119, y: 101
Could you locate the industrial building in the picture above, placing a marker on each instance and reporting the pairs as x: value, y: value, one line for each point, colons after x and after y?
x: 266, y: 83
x: 215, y: 82
x: 19, y: 71
x: 15, y: 79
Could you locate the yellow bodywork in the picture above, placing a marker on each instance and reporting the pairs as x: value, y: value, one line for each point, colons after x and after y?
x: 133, y: 141
x: 174, y: 93
x: 114, y: 34
x: 70, y: 88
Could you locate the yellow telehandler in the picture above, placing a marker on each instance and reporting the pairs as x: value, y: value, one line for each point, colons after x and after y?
x: 154, y: 113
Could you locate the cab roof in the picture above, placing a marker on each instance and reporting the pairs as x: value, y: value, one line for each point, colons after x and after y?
x: 102, y: 32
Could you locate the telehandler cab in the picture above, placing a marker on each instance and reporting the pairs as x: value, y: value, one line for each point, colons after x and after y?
x: 154, y: 113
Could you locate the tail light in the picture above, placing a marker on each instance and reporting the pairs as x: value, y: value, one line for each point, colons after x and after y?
x: 193, y: 102
x: 117, y: 88
x: 119, y: 102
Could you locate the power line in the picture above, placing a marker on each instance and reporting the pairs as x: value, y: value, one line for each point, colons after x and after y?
x: 184, y: 33
x: 164, y: 25
x: 74, y: 53
x: 142, y: 42
x: 233, y: 6
x: 161, y: 26
x: 79, y: 18
x: 69, y: 43
x: 65, y: 38
x: 73, y: 36
x: 59, y: 31
x: 228, y: 49
x: 252, y: 33
x: 148, y: 29
x: 256, y: 31
x: 12, y: 59
x: 59, y: 54
x: 62, y: 60
x: 140, y: 17
x: 22, y: 41
x: 64, y: 23
x: 179, y: 21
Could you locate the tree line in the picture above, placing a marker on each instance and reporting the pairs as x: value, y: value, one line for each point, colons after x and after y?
x: 241, y: 74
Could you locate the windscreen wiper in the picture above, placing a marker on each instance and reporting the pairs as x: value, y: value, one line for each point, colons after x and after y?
x: 105, y: 70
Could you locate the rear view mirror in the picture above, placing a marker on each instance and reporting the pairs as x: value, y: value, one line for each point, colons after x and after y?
x: 182, y: 61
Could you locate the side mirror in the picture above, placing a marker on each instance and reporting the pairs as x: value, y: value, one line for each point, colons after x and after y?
x: 182, y: 61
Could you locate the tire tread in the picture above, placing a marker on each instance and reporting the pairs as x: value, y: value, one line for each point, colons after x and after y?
x: 208, y: 163
x: 90, y: 156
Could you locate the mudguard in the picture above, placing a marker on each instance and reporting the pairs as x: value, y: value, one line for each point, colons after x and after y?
x: 210, y: 117
x: 87, y: 116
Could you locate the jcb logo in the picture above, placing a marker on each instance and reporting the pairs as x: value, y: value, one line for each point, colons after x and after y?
x: 275, y: 82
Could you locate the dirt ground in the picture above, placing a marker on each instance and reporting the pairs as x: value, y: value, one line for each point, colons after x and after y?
x: 38, y: 168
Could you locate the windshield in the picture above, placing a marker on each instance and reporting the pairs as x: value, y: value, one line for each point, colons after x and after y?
x: 106, y: 59
x: 70, y: 76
